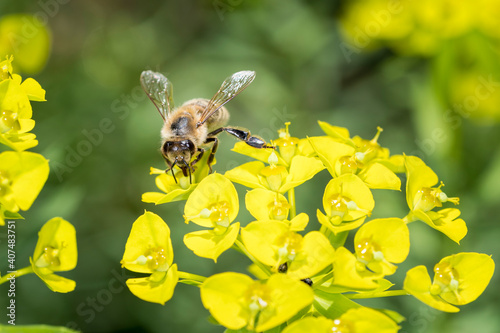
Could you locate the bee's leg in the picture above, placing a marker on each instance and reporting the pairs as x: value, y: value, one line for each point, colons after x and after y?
x: 188, y: 167
x: 243, y: 135
x: 198, y: 158
x: 210, y: 159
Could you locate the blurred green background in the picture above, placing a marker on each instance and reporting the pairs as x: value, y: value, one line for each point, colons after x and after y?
x: 428, y: 73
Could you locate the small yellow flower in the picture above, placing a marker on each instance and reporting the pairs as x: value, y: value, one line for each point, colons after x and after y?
x: 364, y: 158
x: 380, y: 243
x: 422, y: 197
x: 149, y: 250
x: 15, y: 117
x: 213, y: 204
x: 178, y: 188
x: 350, y: 274
x: 268, y: 205
x: 274, y: 244
x: 55, y: 251
x: 347, y: 202
x: 458, y: 279
x: 236, y: 301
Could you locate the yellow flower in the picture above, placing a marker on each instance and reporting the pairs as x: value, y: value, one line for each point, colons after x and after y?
x: 350, y: 275
x: 276, y: 177
x: 347, y: 202
x: 213, y: 204
x: 55, y: 251
x: 22, y: 176
x: 267, y: 205
x: 274, y: 244
x: 458, y: 279
x: 149, y: 250
x: 364, y: 158
x: 380, y: 243
x: 236, y: 301
x: 356, y: 320
x: 287, y: 169
x: 178, y: 188
x: 422, y: 197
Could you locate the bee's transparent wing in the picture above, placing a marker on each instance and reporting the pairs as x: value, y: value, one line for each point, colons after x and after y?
x: 231, y: 87
x: 159, y: 90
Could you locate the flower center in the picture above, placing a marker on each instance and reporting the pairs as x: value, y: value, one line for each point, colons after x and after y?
x: 5, y: 183
x: 367, y: 251
x: 156, y: 259
x: 219, y: 213
x: 339, y: 205
x: 289, y: 244
x: 279, y: 209
x: 340, y: 326
x: 445, y: 278
x: 49, y: 257
x: 349, y: 164
x: 8, y: 121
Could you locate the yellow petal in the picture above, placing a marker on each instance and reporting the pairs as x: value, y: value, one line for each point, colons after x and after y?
x: 260, y: 238
x: 221, y: 294
x: 247, y: 174
x: 316, y: 254
x: 28, y: 173
x: 347, y: 273
x: 302, y: 169
x: 445, y: 221
x: 211, y: 244
x: 378, y: 176
x: 155, y: 289
x: 55, y: 282
x: 33, y: 90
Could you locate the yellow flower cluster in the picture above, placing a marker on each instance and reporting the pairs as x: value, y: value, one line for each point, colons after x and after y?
x: 22, y: 177
x: 417, y: 27
x: 460, y: 39
x: 306, y: 281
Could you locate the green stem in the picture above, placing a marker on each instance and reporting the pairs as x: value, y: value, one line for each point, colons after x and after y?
x: 240, y: 247
x: 322, y: 280
x: 378, y: 294
x: 338, y: 239
x: 16, y: 274
x: 291, y: 201
x: 192, y: 277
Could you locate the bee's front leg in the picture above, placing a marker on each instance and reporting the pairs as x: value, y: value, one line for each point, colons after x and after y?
x: 210, y: 159
x: 243, y: 135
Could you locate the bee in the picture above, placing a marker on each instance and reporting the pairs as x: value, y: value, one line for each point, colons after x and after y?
x: 197, y: 122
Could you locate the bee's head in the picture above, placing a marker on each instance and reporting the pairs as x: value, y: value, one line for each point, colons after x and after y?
x: 179, y: 153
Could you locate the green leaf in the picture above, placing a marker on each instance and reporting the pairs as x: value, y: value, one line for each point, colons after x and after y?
x: 332, y: 305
